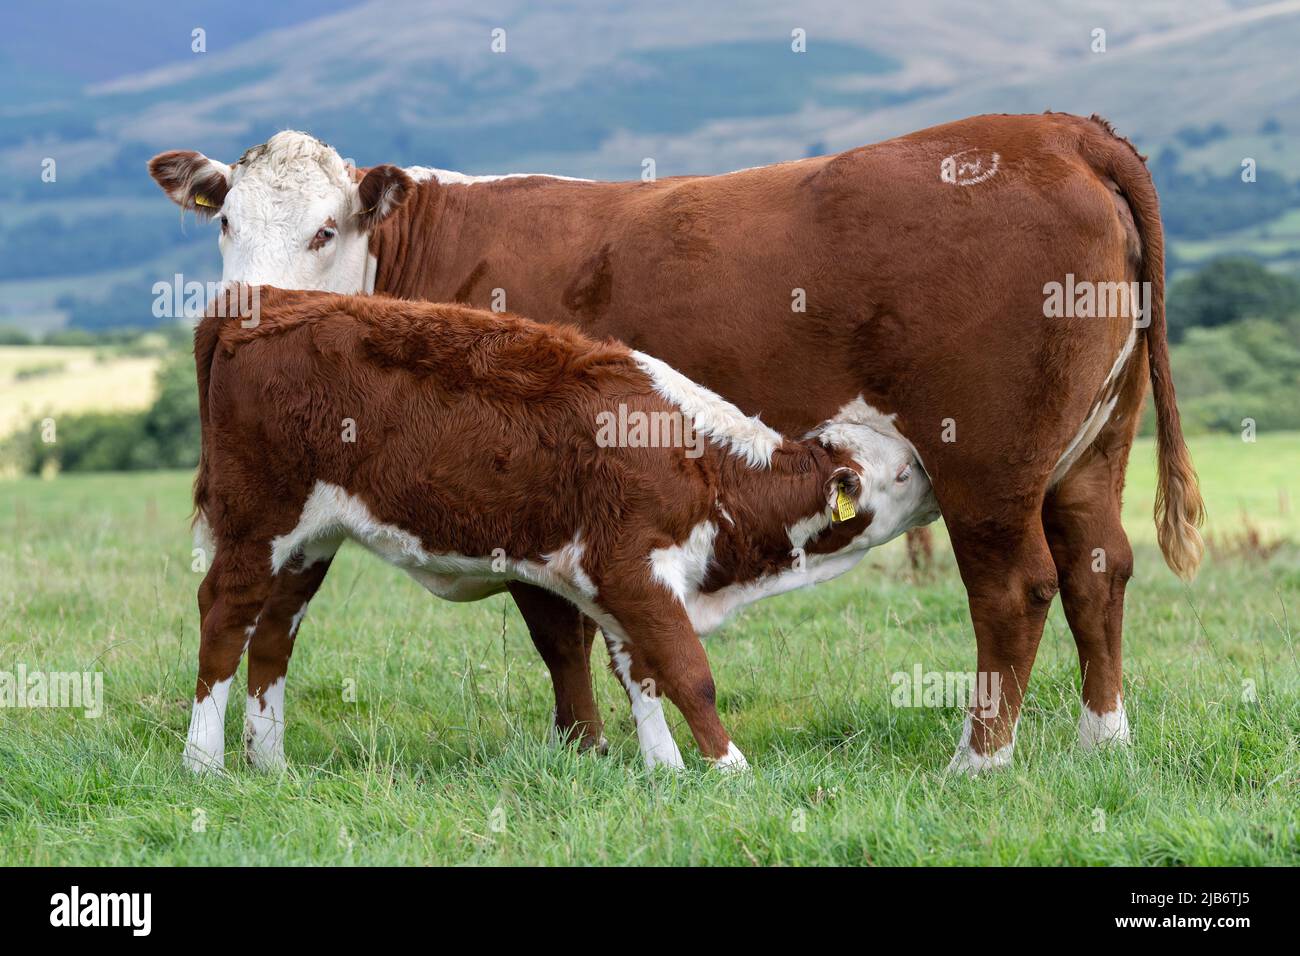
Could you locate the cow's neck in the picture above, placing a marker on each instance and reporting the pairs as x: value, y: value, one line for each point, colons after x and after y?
x: 759, y: 506
x: 453, y: 242
x: 408, y: 247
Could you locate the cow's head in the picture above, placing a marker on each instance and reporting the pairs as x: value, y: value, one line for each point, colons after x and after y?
x: 292, y: 213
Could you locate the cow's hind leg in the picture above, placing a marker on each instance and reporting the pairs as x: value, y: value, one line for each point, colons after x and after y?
x: 563, y: 636
x: 1010, y: 581
x: 230, y: 599
x: 268, y: 661
x: 1094, y: 561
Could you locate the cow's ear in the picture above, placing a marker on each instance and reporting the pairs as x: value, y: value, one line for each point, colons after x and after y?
x: 192, y: 180
x: 380, y: 191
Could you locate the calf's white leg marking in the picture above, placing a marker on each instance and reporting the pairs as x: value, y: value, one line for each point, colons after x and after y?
x: 205, y: 746
x: 652, y: 733
x: 264, y: 728
x: 967, y: 761
x: 1096, y: 729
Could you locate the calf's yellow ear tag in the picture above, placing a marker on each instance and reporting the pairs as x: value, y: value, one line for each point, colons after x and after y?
x: 844, y: 509
x: 204, y: 201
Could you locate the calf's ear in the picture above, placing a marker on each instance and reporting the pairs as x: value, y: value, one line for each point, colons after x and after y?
x: 192, y: 180
x: 380, y: 191
x: 843, y: 479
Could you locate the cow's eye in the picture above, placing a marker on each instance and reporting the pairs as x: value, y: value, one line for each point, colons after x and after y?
x: 323, y: 235
x: 225, y: 225
x: 903, y: 475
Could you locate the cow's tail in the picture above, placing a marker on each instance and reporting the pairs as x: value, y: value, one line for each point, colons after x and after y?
x: 1179, y: 510
x: 205, y: 346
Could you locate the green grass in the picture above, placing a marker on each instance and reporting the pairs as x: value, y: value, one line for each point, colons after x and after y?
x: 441, y: 759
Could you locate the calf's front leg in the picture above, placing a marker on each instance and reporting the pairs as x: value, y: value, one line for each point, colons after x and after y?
x: 269, y: 650
x: 655, y: 652
x: 230, y: 600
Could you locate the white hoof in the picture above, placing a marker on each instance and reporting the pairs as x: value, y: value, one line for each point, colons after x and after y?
x: 264, y: 728
x: 661, y: 751
x: 1097, y: 730
x: 967, y: 761
x: 733, y: 761
x: 200, y: 761
x: 205, y: 745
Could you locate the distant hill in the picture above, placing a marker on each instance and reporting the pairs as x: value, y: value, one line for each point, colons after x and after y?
x: 589, y: 89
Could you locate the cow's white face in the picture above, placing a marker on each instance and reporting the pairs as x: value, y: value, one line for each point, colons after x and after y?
x: 292, y: 213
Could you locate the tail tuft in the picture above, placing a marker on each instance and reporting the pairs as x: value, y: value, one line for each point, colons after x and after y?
x: 1179, y: 510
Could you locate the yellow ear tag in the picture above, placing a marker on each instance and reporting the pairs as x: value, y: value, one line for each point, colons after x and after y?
x: 844, y: 509
x: 203, y: 201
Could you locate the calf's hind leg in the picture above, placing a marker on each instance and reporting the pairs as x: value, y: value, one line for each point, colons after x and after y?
x: 230, y: 598
x: 563, y: 636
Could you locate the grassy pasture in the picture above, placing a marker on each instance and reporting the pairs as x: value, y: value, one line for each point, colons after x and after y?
x: 441, y: 757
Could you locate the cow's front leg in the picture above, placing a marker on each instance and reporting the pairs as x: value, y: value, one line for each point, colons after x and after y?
x: 563, y: 636
x: 268, y: 662
x: 230, y: 599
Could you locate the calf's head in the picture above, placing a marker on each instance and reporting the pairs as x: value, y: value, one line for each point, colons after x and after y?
x: 883, y: 478
x: 293, y: 214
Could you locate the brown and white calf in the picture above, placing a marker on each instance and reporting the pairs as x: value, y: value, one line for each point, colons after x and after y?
x: 486, y: 449
x: 908, y: 276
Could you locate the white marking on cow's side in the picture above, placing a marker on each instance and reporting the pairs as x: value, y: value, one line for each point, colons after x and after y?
x: 449, y: 177
x: 1096, y: 729
x: 714, y: 416
x: 967, y: 761
x: 681, y: 568
x: 205, y: 745
x: 564, y: 567
x: 264, y: 727
x: 657, y: 745
x: 733, y: 761
x: 1097, y: 417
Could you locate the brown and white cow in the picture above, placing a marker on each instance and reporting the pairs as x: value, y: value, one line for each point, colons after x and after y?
x: 911, y: 277
x: 482, y: 449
